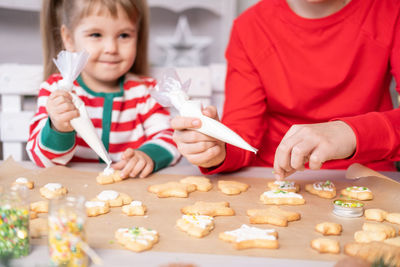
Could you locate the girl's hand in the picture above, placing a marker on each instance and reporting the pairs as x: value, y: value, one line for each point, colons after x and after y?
x: 199, y: 149
x: 313, y: 143
x: 61, y: 110
x: 134, y: 163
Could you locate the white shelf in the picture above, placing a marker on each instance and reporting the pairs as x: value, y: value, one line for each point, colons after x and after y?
x: 27, y: 5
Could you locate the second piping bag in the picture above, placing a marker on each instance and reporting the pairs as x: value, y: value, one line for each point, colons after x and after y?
x: 171, y: 92
x: 70, y: 66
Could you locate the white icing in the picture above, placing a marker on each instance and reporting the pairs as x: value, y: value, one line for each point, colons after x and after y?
x: 359, y: 189
x: 281, y: 194
x: 108, y: 195
x: 246, y: 232
x: 143, y: 236
x: 285, y: 184
x: 320, y: 186
x: 136, y: 203
x: 53, y: 186
x: 21, y: 180
x: 201, y: 221
x: 93, y: 204
x: 108, y: 171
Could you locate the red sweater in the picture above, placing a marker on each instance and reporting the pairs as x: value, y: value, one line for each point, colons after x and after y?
x: 285, y: 70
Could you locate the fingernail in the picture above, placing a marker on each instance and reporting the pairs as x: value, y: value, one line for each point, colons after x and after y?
x: 196, y: 123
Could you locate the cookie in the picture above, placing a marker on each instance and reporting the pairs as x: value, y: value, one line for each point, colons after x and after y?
x: 209, y: 208
x: 393, y: 218
x: 113, y: 198
x: 196, y: 225
x: 280, y: 197
x: 273, y: 215
x: 172, y: 189
x: 368, y: 236
x: 251, y: 237
x: 322, y: 189
x: 389, y: 254
x: 202, y: 184
x: 32, y: 215
x: 38, y: 228
x: 135, y: 208
x: 95, y: 208
x: 325, y: 245
x: 41, y: 206
x: 232, y: 187
x: 284, y: 185
x: 109, y: 176
x: 395, y: 241
x: 329, y: 228
x: 24, y: 182
x: 53, y: 191
x: 380, y: 227
x: 375, y: 215
x: 358, y: 192
x: 137, y: 238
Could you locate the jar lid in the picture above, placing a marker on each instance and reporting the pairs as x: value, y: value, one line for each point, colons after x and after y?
x: 348, y: 208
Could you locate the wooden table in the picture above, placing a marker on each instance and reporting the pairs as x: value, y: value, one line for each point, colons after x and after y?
x: 39, y: 254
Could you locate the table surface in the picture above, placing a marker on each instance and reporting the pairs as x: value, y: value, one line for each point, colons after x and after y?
x: 39, y: 254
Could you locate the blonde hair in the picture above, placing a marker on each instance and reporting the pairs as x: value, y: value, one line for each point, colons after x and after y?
x: 56, y: 13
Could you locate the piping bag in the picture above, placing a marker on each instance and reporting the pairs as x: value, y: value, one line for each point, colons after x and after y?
x: 70, y: 66
x: 171, y: 92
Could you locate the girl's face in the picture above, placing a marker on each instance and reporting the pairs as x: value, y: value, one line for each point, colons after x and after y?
x: 111, y: 43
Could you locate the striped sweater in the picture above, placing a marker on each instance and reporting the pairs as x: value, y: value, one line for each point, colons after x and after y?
x: 130, y: 118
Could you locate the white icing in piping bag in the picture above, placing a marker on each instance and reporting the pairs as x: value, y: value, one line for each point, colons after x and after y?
x: 171, y: 92
x: 70, y: 66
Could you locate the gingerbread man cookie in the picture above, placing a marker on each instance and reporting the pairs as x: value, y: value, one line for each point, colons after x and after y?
x: 135, y: 208
x: 251, y: 237
x: 280, y: 197
x: 95, y: 208
x: 113, y: 198
x: 209, y: 208
x: 288, y: 186
x: 196, y: 225
x: 232, y: 187
x: 322, y: 189
x: 202, y: 184
x: 136, y: 238
x: 172, y: 189
x: 53, y: 191
x: 358, y: 192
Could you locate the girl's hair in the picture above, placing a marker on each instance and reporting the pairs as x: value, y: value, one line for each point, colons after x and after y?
x: 56, y: 13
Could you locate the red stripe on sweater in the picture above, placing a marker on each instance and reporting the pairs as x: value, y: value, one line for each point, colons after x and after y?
x: 115, y: 148
x: 36, y: 157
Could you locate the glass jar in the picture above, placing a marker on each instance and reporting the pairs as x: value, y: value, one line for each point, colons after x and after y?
x: 67, y: 236
x: 14, y: 223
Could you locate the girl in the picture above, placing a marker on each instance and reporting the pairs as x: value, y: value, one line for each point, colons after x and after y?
x: 133, y: 127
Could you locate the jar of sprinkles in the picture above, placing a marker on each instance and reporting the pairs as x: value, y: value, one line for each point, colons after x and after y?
x: 348, y: 208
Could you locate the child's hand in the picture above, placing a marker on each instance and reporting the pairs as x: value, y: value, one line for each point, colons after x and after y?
x: 199, y: 149
x: 61, y: 110
x: 313, y: 143
x: 134, y: 163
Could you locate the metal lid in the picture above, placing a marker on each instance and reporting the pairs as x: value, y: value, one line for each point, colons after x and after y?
x: 348, y: 208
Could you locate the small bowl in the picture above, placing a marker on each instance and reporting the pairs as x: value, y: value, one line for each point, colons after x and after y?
x: 348, y: 208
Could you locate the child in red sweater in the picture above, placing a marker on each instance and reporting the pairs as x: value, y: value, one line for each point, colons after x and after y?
x: 307, y: 84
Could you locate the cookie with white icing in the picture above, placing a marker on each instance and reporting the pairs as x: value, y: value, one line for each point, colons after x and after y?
x: 135, y: 208
x: 358, y: 192
x: 53, y: 191
x: 109, y: 176
x: 113, y: 198
x: 24, y: 182
x: 251, y: 237
x: 322, y: 189
x: 288, y: 186
x: 95, y: 208
x: 280, y: 197
x: 196, y: 225
x: 137, y: 238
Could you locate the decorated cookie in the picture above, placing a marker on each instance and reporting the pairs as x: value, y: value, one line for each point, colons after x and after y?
x: 24, y: 182
x: 137, y: 238
x: 358, y: 192
x: 272, y: 215
x: 109, y: 176
x: 41, y: 206
x: 172, y: 189
x: 324, y: 245
x: 196, y: 225
x: 95, y: 208
x: 209, y: 208
x: 113, y: 198
x: 288, y: 186
x: 280, y: 197
x: 329, y: 228
x: 375, y: 215
x: 202, y: 184
x: 135, y: 208
x: 251, y: 237
x: 53, y: 190
x: 232, y: 187
x: 322, y: 189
